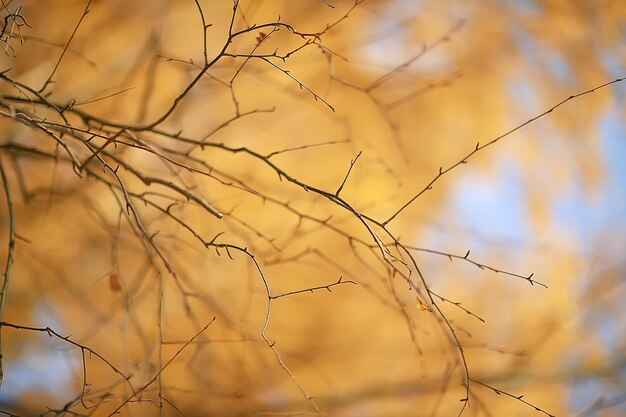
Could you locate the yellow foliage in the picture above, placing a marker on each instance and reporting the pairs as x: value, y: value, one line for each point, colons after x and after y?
x: 261, y: 207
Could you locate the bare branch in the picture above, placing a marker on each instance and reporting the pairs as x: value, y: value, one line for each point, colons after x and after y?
x: 313, y: 289
x: 67, y: 45
x: 515, y: 397
x: 9, y: 261
x: 352, y: 162
x: 479, y: 265
x: 480, y: 147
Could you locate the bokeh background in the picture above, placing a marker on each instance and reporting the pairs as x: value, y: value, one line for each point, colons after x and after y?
x: 410, y: 85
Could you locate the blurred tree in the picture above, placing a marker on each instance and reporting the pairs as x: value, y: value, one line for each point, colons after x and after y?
x: 261, y: 208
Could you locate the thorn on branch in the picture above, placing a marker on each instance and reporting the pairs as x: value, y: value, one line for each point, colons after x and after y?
x: 169, y: 207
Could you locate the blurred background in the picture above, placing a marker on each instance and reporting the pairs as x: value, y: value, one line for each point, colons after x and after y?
x: 131, y: 268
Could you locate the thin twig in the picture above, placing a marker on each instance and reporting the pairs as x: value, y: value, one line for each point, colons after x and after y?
x: 162, y: 368
x: 479, y: 265
x: 516, y: 397
x: 9, y: 261
x: 51, y: 332
x: 67, y: 45
x: 313, y: 289
x: 352, y: 162
x: 457, y: 304
x: 480, y: 147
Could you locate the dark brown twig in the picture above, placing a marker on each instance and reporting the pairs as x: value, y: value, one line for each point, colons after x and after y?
x: 480, y: 147
x: 10, y: 253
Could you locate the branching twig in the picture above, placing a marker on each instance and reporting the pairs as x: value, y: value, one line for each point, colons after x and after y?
x: 161, y: 369
x: 83, y: 349
x: 72, y: 135
x: 12, y: 21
